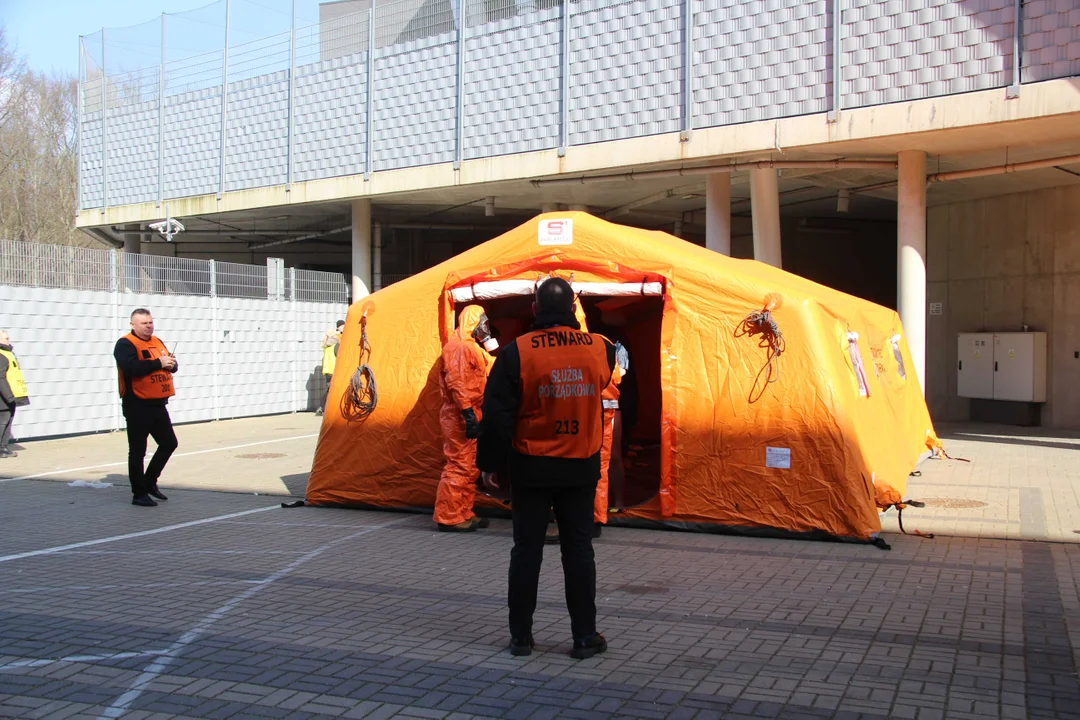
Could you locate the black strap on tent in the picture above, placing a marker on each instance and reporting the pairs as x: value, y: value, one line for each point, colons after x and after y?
x: 900, y: 518
x: 950, y: 457
x: 880, y: 543
x: 298, y: 503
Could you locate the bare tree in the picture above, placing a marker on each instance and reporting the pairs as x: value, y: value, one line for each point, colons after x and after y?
x: 38, y: 154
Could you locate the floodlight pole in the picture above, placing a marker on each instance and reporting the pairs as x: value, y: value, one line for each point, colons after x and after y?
x: 292, y: 90
x: 104, y: 129
x: 161, y: 120
x: 224, y: 101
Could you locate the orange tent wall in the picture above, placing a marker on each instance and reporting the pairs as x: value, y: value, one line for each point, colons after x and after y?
x: 846, y: 448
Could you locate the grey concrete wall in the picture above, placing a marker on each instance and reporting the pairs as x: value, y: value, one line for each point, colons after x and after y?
x: 995, y: 264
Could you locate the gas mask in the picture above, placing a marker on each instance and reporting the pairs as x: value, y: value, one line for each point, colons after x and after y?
x: 482, y: 335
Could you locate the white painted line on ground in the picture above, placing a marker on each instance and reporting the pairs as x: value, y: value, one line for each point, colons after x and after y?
x: 42, y: 662
x: 187, y: 454
x: 158, y: 667
x: 114, y: 538
x: 142, y: 588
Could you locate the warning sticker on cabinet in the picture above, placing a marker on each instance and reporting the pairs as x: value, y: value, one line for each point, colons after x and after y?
x: 778, y: 457
x: 1012, y: 353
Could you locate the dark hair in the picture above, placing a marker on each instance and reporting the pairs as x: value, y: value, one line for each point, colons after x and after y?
x: 340, y: 323
x: 139, y: 311
x: 555, y: 295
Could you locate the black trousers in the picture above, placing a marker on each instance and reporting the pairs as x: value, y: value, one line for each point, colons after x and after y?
x: 7, y: 418
x: 573, y: 508
x: 143, y: 421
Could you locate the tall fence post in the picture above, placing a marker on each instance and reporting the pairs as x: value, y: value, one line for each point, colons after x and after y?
x: 161, y: 120
x: 79, y: 110
x: 564, y: 77
x: 215, y: 331
x: 294, y: 360
x: 292, y: 90
x: 688, y: 70
x: 224, y: 100
x: 104, y: 129
x: 368, y: 165
x: 834, y: 112
x: 459, y: 115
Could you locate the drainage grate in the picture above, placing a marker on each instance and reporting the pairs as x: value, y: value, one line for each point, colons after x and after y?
x: 953, y: 503
x: 261, y: 456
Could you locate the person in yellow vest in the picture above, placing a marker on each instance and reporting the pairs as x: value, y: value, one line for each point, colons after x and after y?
x: 12, y: 392
x: 543, y: 418
x: 330, y: 346
x: 145, y: 369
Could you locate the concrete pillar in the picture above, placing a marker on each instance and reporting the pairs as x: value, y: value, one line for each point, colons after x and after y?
x: 718, y: 212
x: 765, y: 211
x: 133, y: 243
x: 376, y: 259
x: 580, y: 208
x: 361, y: 248
x: 911, y: 255
x: 549, y: 207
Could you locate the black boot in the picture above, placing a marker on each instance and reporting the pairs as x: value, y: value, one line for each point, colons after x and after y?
x: 155, y: 493
x: 520, y: 646
x: 587, y: 648
x: 143, y: 501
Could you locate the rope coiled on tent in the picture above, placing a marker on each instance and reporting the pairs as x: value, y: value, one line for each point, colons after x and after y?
x: 360, y: 398
x: 772, y: 340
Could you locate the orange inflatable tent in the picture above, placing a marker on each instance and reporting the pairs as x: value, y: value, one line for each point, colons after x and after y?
x: 814, y: 444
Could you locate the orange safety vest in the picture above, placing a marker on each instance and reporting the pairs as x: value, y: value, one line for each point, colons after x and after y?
x: 563, y: 373
x: 156, y: 385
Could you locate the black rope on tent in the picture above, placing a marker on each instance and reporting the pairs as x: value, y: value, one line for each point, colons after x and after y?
x: 900, y: 518
x: 772, y: 340
x: 360, y: 398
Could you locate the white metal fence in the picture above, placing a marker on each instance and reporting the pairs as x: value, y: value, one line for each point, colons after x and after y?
x: 248, y: 338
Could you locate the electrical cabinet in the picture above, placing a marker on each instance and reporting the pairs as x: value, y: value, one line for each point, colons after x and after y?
x: 975, y: 365
x: 1002, y: 366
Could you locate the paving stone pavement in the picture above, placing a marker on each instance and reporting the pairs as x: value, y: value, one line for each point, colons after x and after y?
x: 1017, y: 483
x: 219, y: 605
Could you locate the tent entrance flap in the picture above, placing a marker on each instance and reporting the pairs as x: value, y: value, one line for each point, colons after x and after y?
x: 635, y: 322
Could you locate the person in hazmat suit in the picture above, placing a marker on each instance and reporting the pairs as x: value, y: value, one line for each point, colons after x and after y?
x: 466, y: 359
x: 610, y: 400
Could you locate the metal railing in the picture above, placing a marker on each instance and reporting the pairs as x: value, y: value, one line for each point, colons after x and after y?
x: 73, y: 268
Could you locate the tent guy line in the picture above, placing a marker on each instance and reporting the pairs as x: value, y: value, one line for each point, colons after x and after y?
x: 50, y: 473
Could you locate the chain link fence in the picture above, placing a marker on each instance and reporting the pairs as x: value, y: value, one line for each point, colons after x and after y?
x: 73, y: 268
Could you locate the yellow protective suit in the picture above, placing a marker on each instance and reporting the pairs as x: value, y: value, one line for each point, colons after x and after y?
x: 462, y: 378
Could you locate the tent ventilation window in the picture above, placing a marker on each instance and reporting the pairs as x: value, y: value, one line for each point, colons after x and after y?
x: 857, y: 363
x: 895, y: 342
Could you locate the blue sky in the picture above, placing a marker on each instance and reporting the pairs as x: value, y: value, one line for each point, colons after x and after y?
x: 47, y: 32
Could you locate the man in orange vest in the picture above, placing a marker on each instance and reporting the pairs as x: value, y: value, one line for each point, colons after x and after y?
x: 145, y: 370
x: 465, y: 363
x: 543, y: 417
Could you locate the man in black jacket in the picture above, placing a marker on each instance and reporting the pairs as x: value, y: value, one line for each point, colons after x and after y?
x: 12, y: 393
x: 542, y: 419
x: 145, y: 368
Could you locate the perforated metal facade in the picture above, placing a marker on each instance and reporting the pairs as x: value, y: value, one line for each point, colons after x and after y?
x: 506, y: 73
